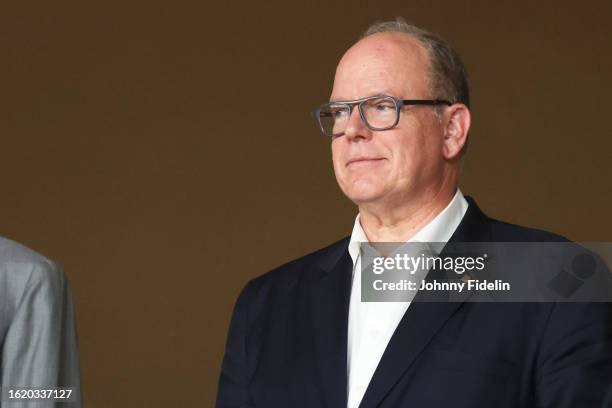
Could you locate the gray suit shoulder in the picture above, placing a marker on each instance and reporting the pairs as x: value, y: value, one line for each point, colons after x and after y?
x: 17, y: 259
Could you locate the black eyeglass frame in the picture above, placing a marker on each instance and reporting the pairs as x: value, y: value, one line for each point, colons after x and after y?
x: 316, y: 114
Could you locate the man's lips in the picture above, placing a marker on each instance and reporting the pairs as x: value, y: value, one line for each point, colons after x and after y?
x: 359, y: 161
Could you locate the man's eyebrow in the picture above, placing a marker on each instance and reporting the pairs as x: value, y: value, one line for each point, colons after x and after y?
x: 368, y: 96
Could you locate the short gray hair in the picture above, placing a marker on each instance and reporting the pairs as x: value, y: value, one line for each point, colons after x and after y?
x: 448, y: 76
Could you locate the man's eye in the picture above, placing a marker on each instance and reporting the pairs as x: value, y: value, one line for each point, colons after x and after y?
x: 383, y: 107
x: 339, y: 113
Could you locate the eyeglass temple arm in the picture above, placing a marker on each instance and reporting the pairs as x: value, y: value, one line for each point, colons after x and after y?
x: 425, y: 102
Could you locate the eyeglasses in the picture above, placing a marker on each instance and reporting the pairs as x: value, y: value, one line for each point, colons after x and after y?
x: 377, y: 112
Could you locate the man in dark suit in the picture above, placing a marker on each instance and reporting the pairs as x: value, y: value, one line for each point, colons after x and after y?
x: 300, y: 335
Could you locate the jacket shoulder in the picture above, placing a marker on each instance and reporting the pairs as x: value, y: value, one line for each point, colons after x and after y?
x: 476, y: 226
x: 18, y: 260
x: 25, y: 273
x: 289, y: 272
x: 506, y: 232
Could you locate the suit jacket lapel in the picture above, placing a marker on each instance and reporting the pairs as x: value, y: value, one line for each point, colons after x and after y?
x: 421, y: 321
x: 329, y: 293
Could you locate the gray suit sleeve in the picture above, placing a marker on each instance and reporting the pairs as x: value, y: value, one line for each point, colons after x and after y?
x: 40, y: 344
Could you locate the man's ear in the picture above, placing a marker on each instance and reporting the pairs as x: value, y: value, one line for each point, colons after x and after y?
x: 457, y: 120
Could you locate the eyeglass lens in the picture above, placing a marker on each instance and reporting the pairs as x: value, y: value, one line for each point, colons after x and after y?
x: 379, y: 113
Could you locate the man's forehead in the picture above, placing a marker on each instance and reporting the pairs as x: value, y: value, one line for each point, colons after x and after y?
x: 374, y: 86
x: 383, y: 63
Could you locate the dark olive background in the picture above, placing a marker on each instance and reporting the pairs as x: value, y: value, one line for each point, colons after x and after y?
x: 163, y: 153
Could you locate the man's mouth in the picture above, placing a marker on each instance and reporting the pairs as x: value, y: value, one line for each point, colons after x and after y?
x: 364, y: 161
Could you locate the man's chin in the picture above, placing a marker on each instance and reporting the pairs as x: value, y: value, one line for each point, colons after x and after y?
x: 365, y: 190
x: 364, y: 197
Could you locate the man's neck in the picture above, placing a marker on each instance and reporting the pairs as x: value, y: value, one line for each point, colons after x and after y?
x: 400, y: 223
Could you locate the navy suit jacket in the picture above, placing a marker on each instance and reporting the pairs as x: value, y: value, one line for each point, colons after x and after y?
x: 287, y: 343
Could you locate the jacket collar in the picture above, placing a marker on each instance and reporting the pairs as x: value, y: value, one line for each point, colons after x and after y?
x: 474, y: 227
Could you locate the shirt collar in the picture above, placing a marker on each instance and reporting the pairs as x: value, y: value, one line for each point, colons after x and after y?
x: 440, y: 229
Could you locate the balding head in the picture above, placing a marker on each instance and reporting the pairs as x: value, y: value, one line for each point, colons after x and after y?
x: 376, y: 62
x: 448, y: 76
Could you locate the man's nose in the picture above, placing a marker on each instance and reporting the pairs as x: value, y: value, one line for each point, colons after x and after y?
x: 355, y: 128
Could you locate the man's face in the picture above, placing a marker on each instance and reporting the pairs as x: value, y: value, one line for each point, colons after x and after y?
x: 397, y: 164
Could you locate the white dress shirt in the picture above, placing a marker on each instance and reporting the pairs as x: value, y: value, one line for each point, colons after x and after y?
x: 371, y: 324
